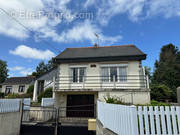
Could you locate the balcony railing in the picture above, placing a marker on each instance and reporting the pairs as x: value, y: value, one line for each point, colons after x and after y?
x: 102, y: 82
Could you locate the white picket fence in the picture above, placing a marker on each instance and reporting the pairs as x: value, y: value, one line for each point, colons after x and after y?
x: 132, y: 120
x: 13, y: 105
x: 47, y: 102
x: 159, y: 120
x: 9, y: 105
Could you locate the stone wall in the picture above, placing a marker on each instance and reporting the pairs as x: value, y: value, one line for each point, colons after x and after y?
x: 10, y: 123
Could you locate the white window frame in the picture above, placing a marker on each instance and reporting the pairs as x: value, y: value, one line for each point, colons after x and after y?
x: 109, y: 72
x: 23, y: 89
x: 78, y: 72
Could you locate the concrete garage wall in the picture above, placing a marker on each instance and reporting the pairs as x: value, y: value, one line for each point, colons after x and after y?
x: 128, y: 96
x: 10, y: 123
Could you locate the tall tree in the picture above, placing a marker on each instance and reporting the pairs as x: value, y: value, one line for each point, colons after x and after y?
x: 43, y: 68
x: 167, y: 69
x: 3, y: 71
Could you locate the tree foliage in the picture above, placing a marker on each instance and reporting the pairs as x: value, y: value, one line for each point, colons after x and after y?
x: 43, y: 68
x: 167, y: 70
x: 45, y: 94
x: 3, y: 71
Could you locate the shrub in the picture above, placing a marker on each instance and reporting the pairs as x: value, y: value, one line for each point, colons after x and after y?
x: 160, y: 92
x: 156, y: 103
x: 13, y: 95
x: 113, y: 100
x: 2, y: 95
x: 30, y: 91
x: 45, y: 94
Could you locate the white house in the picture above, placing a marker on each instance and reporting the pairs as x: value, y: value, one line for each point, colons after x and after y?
x: 43, y: 82
x: 89, y: 73
x: 17, y: 85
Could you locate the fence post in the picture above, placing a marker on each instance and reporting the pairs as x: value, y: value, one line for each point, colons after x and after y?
x: 178, y: 95
x: 21, y: 114
x: 57, y: 121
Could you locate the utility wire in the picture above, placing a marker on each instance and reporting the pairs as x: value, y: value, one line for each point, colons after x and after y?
x: 31, y: 31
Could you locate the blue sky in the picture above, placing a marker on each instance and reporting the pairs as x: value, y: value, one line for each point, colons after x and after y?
x: 149, y: 24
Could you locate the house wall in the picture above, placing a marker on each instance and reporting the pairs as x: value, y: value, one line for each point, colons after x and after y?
x: 15, y: 88
x: 128, y: 96
x: 93, y: 73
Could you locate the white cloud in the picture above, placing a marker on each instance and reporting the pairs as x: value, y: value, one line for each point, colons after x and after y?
x: 108, y: 9
x: 134, y: 9
x: 16, y: 68
x: 33, y: 53
x: 29, y: 8
x: 81, y: 32
x: 166, y: 8
x: 20, y: 70
x: 10, y: 27
x: 25, y: 72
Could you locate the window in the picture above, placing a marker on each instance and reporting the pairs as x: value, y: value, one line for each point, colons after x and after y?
x: 21, y: 88
x: 109, y: 74
x: 77, y: 74
x: 8, y: 90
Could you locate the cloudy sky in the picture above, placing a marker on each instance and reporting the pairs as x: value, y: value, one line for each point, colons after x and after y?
x: 36, y: 30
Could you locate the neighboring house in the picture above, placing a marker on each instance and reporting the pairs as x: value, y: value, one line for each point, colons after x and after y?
x: 90, y: 73
x: 43, y: 82
x: 17, y: 85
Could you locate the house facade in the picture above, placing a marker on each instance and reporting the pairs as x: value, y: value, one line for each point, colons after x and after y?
x: 43, y: 82
x: 88, y: 74
x: 17, y: 85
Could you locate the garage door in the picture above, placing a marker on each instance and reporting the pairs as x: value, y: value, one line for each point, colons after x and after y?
x: 80, y: 106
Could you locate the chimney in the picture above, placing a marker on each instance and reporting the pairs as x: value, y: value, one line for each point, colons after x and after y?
x: 95, y: 45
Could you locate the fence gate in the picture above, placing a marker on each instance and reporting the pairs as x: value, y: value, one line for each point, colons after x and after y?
x: 39, y: 120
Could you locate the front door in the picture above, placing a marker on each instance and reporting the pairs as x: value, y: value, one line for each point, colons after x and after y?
x: 80, y: 106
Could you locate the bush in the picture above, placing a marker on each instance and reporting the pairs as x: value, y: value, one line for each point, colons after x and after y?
x: 13, y: 95
x: 30, y: 91
x: 160, y: 92
x: 2, y: 95
x: 45, y: 94
x: 113, y: 100
x: 156, y: 103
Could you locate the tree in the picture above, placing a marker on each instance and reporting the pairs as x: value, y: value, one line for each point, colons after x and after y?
x: 43, y: 68
x: 3, y: 71
x: 167, y: 69
x: 160, y: 92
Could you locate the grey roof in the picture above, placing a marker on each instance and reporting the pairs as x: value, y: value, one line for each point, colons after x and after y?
x: 100, y: 52
x: 18, y: 80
